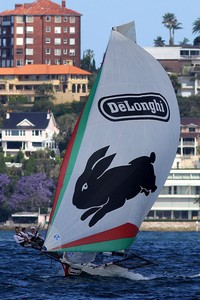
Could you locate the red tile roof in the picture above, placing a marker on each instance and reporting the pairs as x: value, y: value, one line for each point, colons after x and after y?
x: 43, y: 69
x: 40, y: 7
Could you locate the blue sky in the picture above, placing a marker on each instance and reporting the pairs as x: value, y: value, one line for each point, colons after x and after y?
x: 99, y: 16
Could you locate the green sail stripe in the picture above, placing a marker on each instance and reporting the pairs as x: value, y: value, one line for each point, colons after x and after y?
x: 102, y: 246
x: 77, y: 143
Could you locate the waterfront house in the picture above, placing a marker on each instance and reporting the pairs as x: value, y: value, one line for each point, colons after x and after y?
x: 28, y: 132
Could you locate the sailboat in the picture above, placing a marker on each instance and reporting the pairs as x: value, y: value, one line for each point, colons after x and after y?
x: 117, y: 161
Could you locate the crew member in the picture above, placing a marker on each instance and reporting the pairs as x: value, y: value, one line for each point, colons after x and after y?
x: 20, y: 238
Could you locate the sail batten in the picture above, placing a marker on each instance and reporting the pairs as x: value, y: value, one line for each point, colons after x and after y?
x: 120, y: 153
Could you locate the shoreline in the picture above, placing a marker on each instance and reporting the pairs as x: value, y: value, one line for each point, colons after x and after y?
x: 170, y: 226
x: 146, y: 226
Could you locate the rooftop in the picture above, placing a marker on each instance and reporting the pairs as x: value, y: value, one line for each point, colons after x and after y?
x: 43, y: 69
x: 40, y: 7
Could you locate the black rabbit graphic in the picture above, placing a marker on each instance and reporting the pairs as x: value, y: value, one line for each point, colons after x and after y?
x: 100, y: 191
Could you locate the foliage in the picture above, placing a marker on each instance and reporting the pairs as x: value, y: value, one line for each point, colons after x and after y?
x: 189, y: 106
x: 19, y: 157
x: 196, y: 26
x: 39, y: 162
x: 4, y: 194
x: 4, y: 181
x: 196, y: 41
x: 3, y: 167
x: 32, y: 192
x: 185, y: 41
x: 159, y: 42
x: 66, y: 125
x: 88, y: 62
x: 170, y: 22
x: 42, y: 105
x: 174, y: 80
x: 45, y: 91
x: 18, y: 99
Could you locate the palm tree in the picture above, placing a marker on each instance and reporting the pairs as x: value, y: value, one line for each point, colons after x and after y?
x: 196, y: 26
x: 159, y: 42
x: 175, y: 26
x: 185, y: 41
x: 170, y: 22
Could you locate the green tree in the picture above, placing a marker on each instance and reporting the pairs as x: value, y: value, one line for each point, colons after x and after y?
x: 45, y: 92
x: 170, y: 22
x: 88, y: 63
x: 29, y: 166
x: 196, y: 26
x: 185, y: 41
x: 196, y: 41
x: 159, y: 42
x: 66, y: 125
x: 174, y: 80
x: 19, y: 157
x: 3, y: 168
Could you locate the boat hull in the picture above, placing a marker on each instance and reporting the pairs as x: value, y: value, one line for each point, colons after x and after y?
x: 111, y: 270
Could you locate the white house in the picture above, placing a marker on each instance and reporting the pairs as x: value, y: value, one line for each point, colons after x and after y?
x: 179, y: 198
x: 28, y: 131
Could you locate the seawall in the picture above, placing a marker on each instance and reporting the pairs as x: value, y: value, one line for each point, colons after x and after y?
x: 170, y: 226
x: 146, y: 226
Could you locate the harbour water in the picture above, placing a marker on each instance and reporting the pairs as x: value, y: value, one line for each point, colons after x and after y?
x: 25, y: 274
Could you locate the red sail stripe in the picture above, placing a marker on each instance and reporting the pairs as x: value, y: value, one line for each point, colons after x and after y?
x: 127, y: 230
x: 64, y: 168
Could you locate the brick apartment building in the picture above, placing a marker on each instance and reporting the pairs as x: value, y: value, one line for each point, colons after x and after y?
x: 41, y: 32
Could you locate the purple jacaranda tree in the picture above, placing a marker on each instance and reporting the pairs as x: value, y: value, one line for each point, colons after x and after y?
x: 32, y: 192
x: 4, y: 182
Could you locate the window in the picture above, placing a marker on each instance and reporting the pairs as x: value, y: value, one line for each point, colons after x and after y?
x: 57, y: 41
x: 48, y: 51
x: 48, y: 18
x: 65, y: 51
x: 71, y: 52
x: 29, y: 19
x: 29, y: 29
x: 36, y: 132
x: 29, y: 51
x: 37, y: 144
x: 19, y: 62
x: 65, y: 29
x: 48, y: 40
x: 47, y: 61
x: 19, y: 51
x: 72, y: 41
x: 197, y: 192
x: 57, y: 19
x: 65, y: 18
x: 8, y: 132
x: 194, y: 52
x: 19, y: 19
x: 29, y: 62
x: 29, y: 41
x: 71, y: 30
x: 57, y: 30
x: 184, y: 52
x: 65, y: 41
x: 57, y: 52
x: 191, y: 129
x: 72, y: 19
x: 48, y: 29
x: 57, y: 61
x: 19, y: 41
x: 20, y: 30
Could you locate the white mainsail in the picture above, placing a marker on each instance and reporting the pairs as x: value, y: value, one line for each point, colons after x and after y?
x: 120, y: 154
